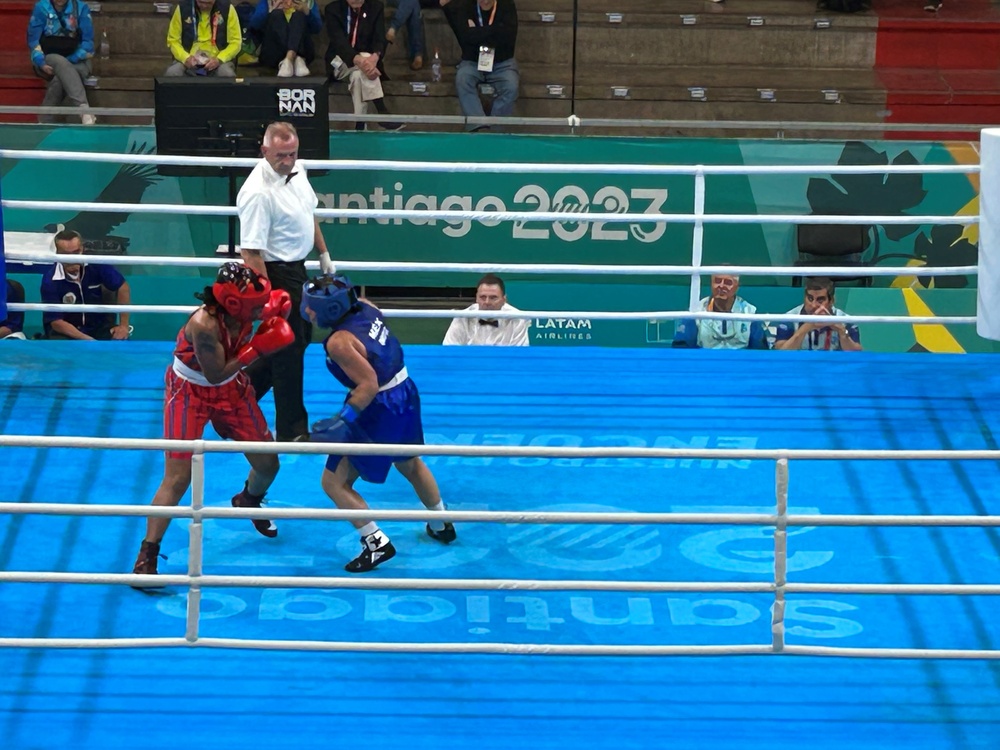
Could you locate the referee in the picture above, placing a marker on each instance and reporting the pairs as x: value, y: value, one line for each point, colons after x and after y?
x: 278, y: 230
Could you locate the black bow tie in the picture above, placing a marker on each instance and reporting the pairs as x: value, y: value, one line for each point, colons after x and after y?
x: 289, y: 178
x: 494, y: 323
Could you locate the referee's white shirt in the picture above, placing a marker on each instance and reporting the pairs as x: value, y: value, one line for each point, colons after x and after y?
x: 470, y: 332
x: 277, y: 217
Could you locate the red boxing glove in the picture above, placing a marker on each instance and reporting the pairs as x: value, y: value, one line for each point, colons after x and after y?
x: 278, y: 306
x: 272, y: 335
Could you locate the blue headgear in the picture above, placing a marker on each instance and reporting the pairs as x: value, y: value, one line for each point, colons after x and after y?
x: 330, y: 297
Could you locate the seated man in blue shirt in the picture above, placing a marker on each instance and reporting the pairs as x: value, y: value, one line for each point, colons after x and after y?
x: 835, y: 337
x: 69, y: 283
x: 722, y: 334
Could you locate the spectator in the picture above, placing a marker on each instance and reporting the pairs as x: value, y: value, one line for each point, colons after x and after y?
x: 13, y: 327
x: 61, y: 43
x: 819, y: 294
x: 357, y: 46
x: 82, y: 284
x: 277, y: 232
x: 205, y: 39
x: 383, y: 406
x: 286, y: 28
x: 491, y: 294
x: 487, y: 32
x: 408, y: 14
x: 722, y: 334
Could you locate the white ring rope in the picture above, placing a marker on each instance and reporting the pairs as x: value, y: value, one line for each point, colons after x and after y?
x: 558, y: 217
x: 498, y: 167
x: 555, y: 649
x: 483, y: 516
x: 506, y: 451
x: 525, y: 268
x: 494, y: 648
x: 503, y: 584
x: 559, y: 314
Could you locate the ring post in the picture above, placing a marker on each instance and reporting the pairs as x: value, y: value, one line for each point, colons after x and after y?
x: 988, y: 301
x: 780, y: 556
x: 698, y: 238
x: 196, y: 535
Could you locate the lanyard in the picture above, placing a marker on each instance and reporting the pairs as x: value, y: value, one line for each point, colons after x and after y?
x: 353, y: 32
x: 826, y: 342
x: 711, y: 308
x: 479, y: 12
x: 60, y: 14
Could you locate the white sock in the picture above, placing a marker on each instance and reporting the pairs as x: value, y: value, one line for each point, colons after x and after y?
x: 437, y: 525
x: 369, y: 528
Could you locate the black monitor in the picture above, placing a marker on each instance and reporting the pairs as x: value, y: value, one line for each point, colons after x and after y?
x: 198, y: 116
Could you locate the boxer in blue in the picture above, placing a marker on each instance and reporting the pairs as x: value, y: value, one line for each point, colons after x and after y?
x: 383, y: 406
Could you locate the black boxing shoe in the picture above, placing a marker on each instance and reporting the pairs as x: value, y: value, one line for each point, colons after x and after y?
x: 145, y: 564
x: 246, y: 500
x: 446, y: 535
x: 375, y: 550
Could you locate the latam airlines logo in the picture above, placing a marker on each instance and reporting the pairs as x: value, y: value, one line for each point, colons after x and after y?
x: 297, y: 102
x: 562, y: 329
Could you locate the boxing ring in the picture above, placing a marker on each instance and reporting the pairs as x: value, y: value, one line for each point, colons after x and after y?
x: 638, y: 530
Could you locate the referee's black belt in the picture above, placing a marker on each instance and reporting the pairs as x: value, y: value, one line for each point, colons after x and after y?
x: 286, y: 263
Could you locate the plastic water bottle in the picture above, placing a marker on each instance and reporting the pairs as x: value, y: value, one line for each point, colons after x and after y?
x: 436, y: 66
x: 105, y: 49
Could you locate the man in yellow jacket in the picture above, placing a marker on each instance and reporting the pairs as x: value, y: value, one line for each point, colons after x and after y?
x: 205, y: 39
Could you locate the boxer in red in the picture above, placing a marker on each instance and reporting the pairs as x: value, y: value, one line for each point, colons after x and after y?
x: 206, y: 383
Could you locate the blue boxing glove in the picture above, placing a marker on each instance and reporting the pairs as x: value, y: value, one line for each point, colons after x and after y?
x: 336, y: 429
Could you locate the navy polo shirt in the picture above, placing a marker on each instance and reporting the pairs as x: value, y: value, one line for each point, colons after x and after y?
x: 87, y: 290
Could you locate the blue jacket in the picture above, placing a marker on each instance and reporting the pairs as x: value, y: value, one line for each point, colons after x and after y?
x: 44, y: 21
x: 722, y: 334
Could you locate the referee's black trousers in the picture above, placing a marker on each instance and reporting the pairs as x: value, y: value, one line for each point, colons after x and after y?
x: 283, y: 371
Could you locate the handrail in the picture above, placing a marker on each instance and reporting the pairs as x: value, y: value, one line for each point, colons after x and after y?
x: 579, y: 122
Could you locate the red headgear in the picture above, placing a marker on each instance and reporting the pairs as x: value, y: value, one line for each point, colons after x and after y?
x: 239, y: 289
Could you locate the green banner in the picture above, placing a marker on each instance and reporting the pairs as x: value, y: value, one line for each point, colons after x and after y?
x: 572, y: 241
